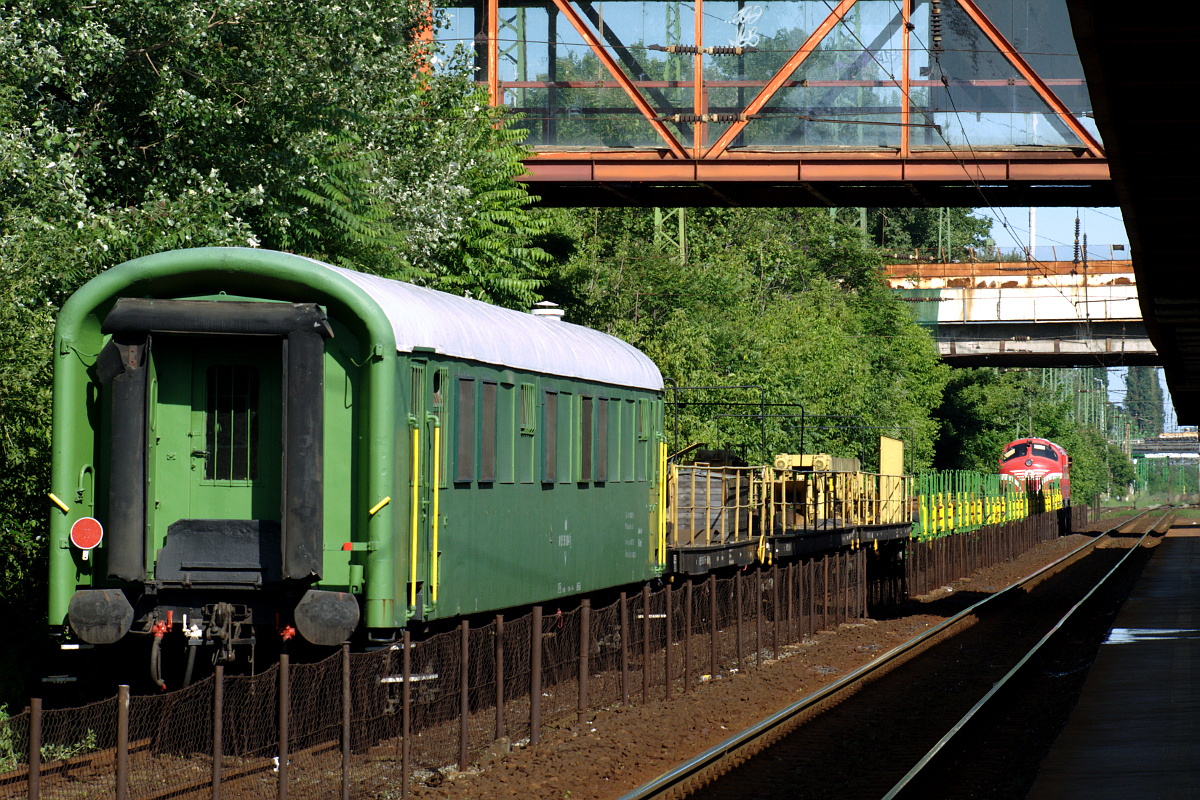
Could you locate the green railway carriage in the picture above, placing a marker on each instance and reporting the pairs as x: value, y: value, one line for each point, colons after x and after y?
x: 268, y: 440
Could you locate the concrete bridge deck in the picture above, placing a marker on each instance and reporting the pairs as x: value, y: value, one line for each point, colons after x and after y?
x: 1029, y: 313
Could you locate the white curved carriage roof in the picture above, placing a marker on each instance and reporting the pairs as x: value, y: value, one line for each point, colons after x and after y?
x: 465, y: 328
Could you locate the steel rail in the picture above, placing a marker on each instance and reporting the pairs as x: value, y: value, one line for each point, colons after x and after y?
x: 900, y: 786
x: 718, y: 759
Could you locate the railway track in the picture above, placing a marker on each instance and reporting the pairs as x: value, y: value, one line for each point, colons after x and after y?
x: 891, y: 728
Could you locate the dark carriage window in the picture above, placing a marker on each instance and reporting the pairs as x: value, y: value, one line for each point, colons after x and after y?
x: 550, y: 438
x: 465, y: 456
x: 487, y: 434
x: 231, y: 422
x: 601, y: 440
x: 586, y: 434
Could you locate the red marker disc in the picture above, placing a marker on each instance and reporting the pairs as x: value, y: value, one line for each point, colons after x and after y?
x: 86, y: 533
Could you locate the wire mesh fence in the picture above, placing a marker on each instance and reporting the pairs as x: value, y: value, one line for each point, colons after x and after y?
x: 370, y: 722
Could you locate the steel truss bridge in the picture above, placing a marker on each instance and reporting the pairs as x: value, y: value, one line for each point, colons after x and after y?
x: 805, y: 102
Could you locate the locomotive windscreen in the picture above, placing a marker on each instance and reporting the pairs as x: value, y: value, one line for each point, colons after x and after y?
x: 1016, y: 451
x: 1023, y: 449
x: 1045, y: 451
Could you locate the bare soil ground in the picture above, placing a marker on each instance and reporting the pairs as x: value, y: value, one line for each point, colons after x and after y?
x: 617, y: 749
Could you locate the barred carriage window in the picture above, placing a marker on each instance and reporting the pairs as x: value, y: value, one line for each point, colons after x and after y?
x: 629, y: 440
x: 441, y: 388
x: 231, y: 422
x: 643, y: 420
x: 528, y: 410
x: 645, y: 453
x: 416, y: 391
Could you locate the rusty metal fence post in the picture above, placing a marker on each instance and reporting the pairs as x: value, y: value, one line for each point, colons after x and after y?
x: 737, y: 592
x: 670, y: 620
x: 285, y: 702
x: 798, y: 588
x: 218, y: 729
x: 758, y: 615
x: 843, y: 587
x: 790, y: 581
x: 500, y: 676
x: 345, y: 721
x: 35, y: 748
x: 405, y: 711
x: 775, y: 608
x: 585, y: 637
x: 864, y: 572
x: 535, y: 677
x: 464, y: 692
x: 624, y: 650
x: 687, y: 640
x: 712, y: 625
x: 122, y: 742
x: 825, y: 592
x: 645, y: 645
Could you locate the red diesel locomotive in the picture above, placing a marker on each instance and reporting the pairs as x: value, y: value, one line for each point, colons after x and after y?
x: 1037, y: 465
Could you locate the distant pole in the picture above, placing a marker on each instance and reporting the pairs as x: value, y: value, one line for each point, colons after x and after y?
x: 1032, y: 232
x: 122, y: 742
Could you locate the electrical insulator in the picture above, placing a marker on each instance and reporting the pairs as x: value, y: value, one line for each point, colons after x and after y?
x: 935, y: 24
x: 691, y: 49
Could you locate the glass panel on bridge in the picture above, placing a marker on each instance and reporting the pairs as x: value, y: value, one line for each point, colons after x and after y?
x: 566, y: 96
x: 979, y: 97
x: 1041, y: 32
x: 846, y: 94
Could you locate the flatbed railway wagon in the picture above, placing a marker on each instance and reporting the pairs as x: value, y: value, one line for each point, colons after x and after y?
x: 249, y: 442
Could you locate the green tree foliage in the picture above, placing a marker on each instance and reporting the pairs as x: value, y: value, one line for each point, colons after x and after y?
x: 300, y: 128
x: 1167, y: 480
x: 1121, y: 471
x: 130, y: 127
x: 786, y: 301
x: 1144, y: 400
x: 933, y: 233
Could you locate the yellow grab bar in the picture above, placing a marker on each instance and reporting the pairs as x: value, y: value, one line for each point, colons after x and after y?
x: 54, y: 499
x: 414, y: 515
x: 663, y: 504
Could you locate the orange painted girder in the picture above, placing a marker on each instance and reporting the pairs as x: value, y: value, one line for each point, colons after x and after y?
x: 976, y: 269
x: 781, y: 168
